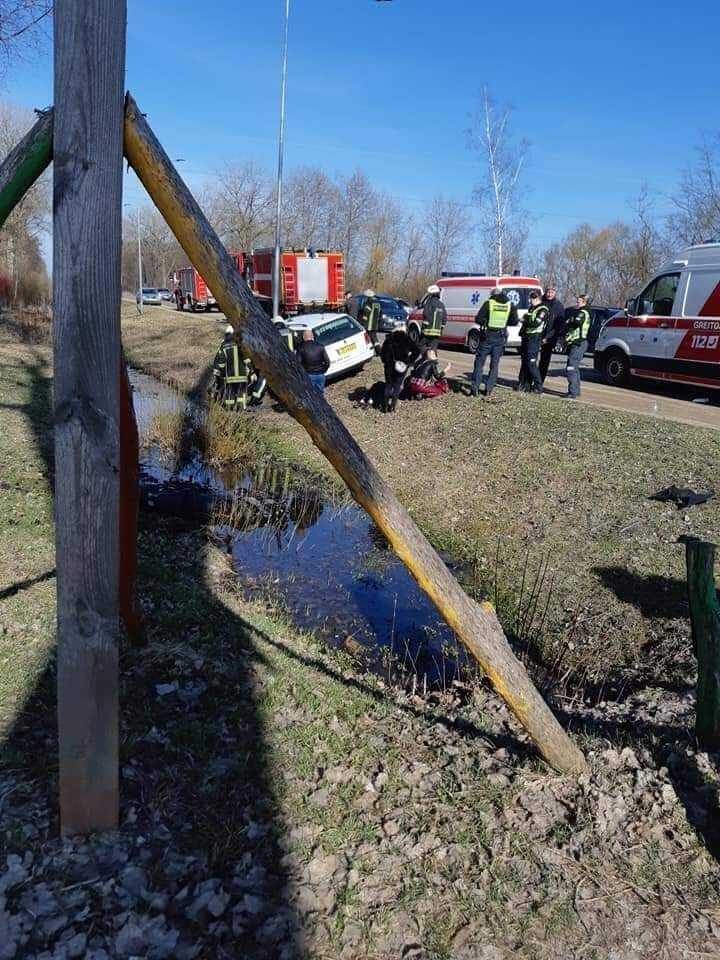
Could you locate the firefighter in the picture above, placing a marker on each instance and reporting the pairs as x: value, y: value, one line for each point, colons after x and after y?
x: 370, y: 315
x: 230, y: 374
x: 178, y: 295
x: 492, y: 318
x: 434, y: 318
x: 577, y: 328
x: 284, y: 332
x: 531, y: 333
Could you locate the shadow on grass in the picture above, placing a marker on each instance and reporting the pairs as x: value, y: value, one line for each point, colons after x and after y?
x: 653, y: 596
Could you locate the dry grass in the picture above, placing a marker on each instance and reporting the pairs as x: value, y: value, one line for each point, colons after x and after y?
x: 526, y: 481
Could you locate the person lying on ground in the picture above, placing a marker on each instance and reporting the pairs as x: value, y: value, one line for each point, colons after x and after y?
x: 428, y: 379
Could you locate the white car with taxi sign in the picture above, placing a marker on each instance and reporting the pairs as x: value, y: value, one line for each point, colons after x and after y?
x: 347, y: 343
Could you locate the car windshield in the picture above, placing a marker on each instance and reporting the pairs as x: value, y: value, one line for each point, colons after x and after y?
x: 389, y: 305
x: 163, y: 290
x: 520, y: 296
x: 334, y: 330
x: 150, y: 291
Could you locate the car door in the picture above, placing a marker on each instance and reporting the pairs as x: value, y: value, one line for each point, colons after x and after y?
x: 651, y: 332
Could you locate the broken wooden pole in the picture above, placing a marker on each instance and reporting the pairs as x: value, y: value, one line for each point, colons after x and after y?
x: 25, y: 163
x: 476, y: 626
x: 87, y: 205
x: 705, y: 621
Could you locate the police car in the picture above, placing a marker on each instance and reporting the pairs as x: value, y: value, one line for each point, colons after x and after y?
x: 671, y: 330
x: 347, y: 343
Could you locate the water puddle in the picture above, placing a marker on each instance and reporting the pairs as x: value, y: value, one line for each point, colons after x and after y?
x: 327, y: 565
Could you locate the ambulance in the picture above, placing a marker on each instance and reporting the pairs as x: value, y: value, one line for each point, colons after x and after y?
x: 671, y: 329
x: 463, y: 296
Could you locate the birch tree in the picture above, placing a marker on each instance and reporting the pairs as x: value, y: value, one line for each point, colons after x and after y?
x: 498, y: 189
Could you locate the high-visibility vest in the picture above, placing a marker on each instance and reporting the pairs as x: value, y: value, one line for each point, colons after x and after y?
x: 499, y: 314
x: 287, y: 336
x: 434, y: 327
x: 581, y: 331
x: 235, y: 372
x: 371, y: 315
x: 534, y: 322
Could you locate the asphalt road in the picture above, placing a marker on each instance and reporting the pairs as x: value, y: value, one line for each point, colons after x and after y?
x: 664, y: 401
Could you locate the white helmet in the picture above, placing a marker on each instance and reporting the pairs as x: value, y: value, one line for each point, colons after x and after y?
x: 229, y: 329
x: 369, y: 293
x: 433, y: 288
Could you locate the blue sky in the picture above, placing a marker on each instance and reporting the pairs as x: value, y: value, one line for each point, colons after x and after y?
x: 610, y: 95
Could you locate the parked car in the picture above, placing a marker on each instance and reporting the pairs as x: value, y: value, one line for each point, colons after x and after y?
x: 393, y: 316
x: 348, y: 345
x: 165, y: 294
x: 150, y: 297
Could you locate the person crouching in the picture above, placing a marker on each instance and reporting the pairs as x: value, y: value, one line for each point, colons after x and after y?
x: 398, y: 354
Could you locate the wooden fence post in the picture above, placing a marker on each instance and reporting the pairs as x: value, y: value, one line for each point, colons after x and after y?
x: 705, y: 620
x: 476, y: 625
x: 87, y: 204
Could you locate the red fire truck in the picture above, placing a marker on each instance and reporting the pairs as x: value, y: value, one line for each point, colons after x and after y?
x: 310, y: 281
x: 195, y: 290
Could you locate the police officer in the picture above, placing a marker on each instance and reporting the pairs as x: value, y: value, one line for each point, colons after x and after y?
x: 492, y: 318
x: 577, y: 328
x: 434, y: 318
x: 531, y: 333
x: 370, y: 315
x: 230, y: 373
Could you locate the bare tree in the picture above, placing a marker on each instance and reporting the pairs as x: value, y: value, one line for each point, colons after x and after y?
x: 310, y: 200
x: 447, y: 228
x: 242, y: 206
x: 498, y: 190
x: 23, y: 27
x: 696, y: 217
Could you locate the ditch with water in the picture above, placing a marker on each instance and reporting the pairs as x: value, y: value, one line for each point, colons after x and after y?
x: 326, y: 564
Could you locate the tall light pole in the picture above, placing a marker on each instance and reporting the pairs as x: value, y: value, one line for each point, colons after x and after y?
x: 140, y: 274
x: 281, y: 152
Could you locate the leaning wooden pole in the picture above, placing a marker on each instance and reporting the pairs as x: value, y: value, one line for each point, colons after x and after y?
x: 705, y: 621
x: 25, y: 163
x: 477, y: 627
x: 87, y: 206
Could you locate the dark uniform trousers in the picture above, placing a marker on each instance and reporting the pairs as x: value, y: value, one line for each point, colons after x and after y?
x: 492, y: 345
x: 530, y: 378
x: 576, y: 351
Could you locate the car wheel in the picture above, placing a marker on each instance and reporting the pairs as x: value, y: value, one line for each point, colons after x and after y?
x: 616, y: 368
x: 473, y: 341
x: 414, y: 333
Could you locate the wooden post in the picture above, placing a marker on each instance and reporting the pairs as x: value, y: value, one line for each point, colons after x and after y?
x: 87, y: 203
x: 476, y: 626
x: 705, y: 620
x: 25, y: 163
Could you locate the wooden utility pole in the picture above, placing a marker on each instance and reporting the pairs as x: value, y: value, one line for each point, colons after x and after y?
x: 87, y: 204
x: 477, y: 626
x: 705, y: 620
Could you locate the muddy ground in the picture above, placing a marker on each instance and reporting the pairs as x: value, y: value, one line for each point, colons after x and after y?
x: 277, y: 802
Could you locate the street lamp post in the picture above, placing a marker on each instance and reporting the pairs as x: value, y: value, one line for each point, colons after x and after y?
x: 281, y: 151
x: 140, y: 273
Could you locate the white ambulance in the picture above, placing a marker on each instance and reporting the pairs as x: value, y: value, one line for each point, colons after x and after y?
x: 671, y: 330
x: 463, y: 296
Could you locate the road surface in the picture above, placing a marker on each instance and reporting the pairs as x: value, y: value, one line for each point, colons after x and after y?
x: 664, y: 401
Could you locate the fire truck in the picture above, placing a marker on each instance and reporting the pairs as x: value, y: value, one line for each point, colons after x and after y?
x: 310, y: 281
x: 195, y: 290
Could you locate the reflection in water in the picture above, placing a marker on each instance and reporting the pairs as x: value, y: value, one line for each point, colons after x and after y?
x: 329, y: 566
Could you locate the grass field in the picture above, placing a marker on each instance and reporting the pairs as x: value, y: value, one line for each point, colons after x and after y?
x: 515, y: 488
x: 331, y: 816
